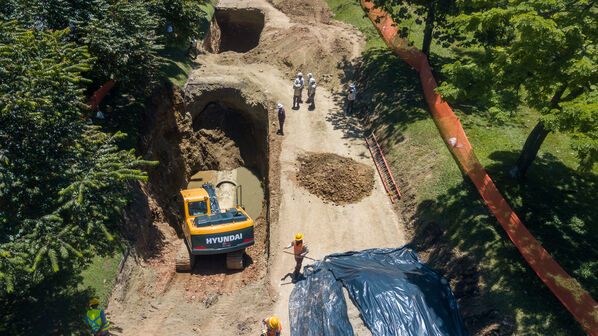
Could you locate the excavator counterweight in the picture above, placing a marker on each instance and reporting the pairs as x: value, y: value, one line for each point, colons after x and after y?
x: 211, y: 230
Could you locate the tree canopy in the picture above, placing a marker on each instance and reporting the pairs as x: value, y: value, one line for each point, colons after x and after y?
x: 124, y: 44
x: 435, y: 13
x: 123, y: 37
x: 62, y: 182
x: 539, y: 54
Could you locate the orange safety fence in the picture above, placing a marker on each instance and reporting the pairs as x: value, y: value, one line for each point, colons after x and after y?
x: 99, y: 94
x: 563, y: 286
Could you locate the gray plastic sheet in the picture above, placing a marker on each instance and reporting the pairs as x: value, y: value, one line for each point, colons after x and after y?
x: 394, y: 291
x: 317, y: 305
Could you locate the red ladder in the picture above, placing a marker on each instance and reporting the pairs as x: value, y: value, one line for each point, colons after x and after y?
x: 382, y: 166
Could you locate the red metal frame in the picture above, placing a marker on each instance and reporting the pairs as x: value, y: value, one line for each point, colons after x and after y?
x: 379, y: 170
x: 387, y: 167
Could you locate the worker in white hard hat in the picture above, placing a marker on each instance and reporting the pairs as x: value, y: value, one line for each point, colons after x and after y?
x: 311, y: 93
x: 281, y: 117
x: 351, y: 94
x: 296, y: 93
x: 302, y: 82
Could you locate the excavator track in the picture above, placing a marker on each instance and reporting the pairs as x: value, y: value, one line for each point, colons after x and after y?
x: 184, y: 259
x: 234, y: 260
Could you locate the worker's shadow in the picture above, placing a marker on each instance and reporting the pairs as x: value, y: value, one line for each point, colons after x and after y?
x: 293, y: 280
x: 115, y: 329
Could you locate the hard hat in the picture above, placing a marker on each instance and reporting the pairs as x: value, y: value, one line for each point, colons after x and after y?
x: 299, y: 74
x: 298, y: 237
x: 279, y: 105
x: 94, y: 302
x: 309, y: 75
x: 273, y: 323
x: 352, y: 85
x: 311, y: 80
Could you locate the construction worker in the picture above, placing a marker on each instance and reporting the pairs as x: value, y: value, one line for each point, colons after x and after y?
x: 281, y: 117
x: 299, y: 250
x: 311, y: 93
x: 272, y: 325
x: 302, y: 82
x: 96, y: 319
x: 296, y: 93
x: 351, y: 97
x: 192, y: 50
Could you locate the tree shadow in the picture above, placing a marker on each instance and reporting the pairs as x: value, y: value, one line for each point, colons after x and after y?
x: 216, y: 264
x: 172, y: 58
x: 558, y: 206
x: 389, y: 93
x: 50, y: 309
x: 457, y: 232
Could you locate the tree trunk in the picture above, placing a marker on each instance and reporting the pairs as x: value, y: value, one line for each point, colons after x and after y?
x: 428, y: 31
x: 535, y: 139
x: 529, y: 151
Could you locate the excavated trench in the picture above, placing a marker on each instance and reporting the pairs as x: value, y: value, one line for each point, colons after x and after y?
x: 235, y: 30
x: 213, y: 130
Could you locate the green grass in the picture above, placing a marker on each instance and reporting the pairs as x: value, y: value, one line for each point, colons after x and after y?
x: 177, y: 60
x: 556, y: 202
x: 99, y: 276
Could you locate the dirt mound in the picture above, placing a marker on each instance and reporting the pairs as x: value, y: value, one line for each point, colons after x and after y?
x: 334, y: 178
x: 305, y: 10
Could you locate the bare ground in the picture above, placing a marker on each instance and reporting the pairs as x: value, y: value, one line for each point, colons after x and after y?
x: 149, y: 297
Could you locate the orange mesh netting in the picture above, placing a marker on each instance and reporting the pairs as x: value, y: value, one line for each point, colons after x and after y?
x: 564, y: 287
x: 99, y: 94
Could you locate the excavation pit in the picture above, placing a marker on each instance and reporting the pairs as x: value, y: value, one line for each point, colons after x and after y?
x: 223, y: 130
x: 235, y: 30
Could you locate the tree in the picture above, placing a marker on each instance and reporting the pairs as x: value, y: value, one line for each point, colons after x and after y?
x: 62, y: 183
x: 123, y: 42
x: 435, y: 12
x: 49, y: 14
x: 542, y: 54
x: 184, y: 16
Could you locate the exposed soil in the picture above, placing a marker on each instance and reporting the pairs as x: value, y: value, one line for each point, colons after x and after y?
x: 225, y: 117
x: 230, y: 24
x: 334, y: 178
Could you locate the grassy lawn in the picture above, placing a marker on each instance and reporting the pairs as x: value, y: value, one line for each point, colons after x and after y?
x: 177, y: 60
x: 99, y: 276
x: 556, y: 202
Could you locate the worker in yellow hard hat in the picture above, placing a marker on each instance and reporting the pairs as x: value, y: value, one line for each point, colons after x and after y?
x: 96, y: 319
x: 300, y: 250
x: 272, y: 326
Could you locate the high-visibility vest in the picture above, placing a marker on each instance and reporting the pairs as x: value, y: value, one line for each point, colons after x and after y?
x: 270, y: 331
x: 298, y: 248
x: 94, y: 320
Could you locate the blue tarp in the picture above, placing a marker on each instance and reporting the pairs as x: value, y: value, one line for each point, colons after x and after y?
x: 394, y: 291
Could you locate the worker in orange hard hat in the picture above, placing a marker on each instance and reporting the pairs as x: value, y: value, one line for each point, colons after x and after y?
x: 272, y: 325
x: 300, y: 250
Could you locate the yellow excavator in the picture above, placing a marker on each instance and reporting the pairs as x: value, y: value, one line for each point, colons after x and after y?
x: 210, y: 230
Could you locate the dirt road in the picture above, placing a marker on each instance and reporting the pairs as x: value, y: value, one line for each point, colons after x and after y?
x: 156, y: 301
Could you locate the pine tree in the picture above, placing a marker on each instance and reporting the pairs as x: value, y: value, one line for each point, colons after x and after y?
x: 124, y: 44
x: 62, y: 183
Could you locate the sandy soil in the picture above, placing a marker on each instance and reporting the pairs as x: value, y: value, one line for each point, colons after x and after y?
x: 150, y: 298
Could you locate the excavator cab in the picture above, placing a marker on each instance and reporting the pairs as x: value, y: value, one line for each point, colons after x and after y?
x: 211, y: 230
